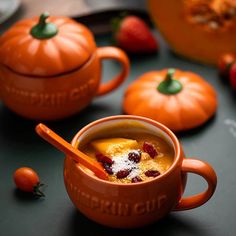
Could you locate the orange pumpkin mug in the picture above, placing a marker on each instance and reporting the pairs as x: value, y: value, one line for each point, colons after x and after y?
x: 132, y: 205
x: 51, y: 68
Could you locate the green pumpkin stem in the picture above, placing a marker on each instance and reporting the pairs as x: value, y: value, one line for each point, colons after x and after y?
x: 170, y: 85
x: 43, y: 29
x: 42, y: 20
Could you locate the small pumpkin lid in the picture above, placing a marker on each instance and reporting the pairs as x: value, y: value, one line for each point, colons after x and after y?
x: 181, y: 100
x: 46, y: 46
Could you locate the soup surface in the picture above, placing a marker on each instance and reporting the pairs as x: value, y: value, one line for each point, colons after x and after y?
x: 131, y: 158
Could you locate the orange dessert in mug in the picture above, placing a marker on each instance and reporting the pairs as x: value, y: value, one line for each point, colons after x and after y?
x: 131, y: 157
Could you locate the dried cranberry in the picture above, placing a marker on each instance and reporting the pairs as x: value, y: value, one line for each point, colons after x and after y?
x: 152, y: 173
x: 121, y: 174
x: 108, y: 168
x: 136, y: 179
x: 134, y: 156
x: 150, y: 149
x: 104, y: 159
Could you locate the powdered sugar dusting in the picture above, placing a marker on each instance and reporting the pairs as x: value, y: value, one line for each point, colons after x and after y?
x: 135, y: 172
x: 122, y: 162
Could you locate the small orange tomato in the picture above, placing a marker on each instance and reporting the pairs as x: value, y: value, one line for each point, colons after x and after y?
x: 27, y: 180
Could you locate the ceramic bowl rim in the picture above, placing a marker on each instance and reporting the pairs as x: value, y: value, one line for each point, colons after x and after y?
x: 166, y: 130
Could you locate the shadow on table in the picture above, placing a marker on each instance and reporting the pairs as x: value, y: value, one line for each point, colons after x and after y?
x: 26, y: 197
x: 171, y: 225
x: 141, y: 57
x: 16, y: 129
x: 197, y: 130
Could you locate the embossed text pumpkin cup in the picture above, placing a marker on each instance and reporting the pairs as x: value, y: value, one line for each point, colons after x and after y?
x: 133, y: 204
x: 50, y: 68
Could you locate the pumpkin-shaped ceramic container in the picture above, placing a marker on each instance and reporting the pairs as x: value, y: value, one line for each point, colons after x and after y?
x: 136, y: 204
x: 50, y: 67
x: 181, y: 100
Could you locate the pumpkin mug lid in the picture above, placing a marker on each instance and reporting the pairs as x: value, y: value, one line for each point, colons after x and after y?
x: 46, y: 46
x: 181, y: 100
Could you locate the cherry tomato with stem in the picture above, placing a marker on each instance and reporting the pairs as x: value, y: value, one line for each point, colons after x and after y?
x: 27, y: 180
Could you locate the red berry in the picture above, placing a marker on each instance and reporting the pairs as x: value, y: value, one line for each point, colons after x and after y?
x: 133, y: 35
x: 150, y: 149
x: 136, y: 179
x: 224, y: 64
x: 103, y: 159
x: 152, y: 173
x: 134, y: 156
x: 106, y: 162
x: 233, y: 76
x: 108, y: 168
x: 122, y: 174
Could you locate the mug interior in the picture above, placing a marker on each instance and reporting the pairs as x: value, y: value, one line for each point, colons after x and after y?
x: 115, y: 125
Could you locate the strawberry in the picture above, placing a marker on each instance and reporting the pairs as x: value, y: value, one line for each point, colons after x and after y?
x: 232, y: 76
x: 133, y: 35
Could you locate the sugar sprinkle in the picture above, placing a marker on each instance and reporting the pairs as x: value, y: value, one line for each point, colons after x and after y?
x: 122, y: 162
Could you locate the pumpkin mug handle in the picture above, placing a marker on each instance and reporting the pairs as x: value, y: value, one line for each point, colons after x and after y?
x: 206, y: 171
x: 119, y: 55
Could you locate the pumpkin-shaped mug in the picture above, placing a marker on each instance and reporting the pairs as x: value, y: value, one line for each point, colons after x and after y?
x: 131, y: 205
x: 51, y: 68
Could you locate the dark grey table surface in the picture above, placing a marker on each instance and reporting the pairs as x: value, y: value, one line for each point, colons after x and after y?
x: 55, y: 215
